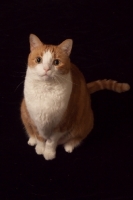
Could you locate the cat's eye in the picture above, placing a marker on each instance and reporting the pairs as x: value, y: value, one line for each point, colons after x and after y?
x: 56, y: 62
x: 38, y: 59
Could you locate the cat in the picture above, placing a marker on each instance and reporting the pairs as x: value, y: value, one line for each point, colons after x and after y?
x: 56, y: 108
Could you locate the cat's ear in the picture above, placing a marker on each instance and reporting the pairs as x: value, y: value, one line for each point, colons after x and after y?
x: 66, y: 46
x: 34, y: 41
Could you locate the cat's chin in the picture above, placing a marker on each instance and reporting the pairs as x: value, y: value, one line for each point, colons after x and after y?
x: 46, y: 78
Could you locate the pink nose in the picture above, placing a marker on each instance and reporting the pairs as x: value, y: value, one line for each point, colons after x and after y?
x: 47, y: 69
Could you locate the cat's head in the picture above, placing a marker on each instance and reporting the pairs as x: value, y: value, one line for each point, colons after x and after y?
x: 46, y: 62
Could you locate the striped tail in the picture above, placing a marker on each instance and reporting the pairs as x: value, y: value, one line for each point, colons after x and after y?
x: 107, y: 84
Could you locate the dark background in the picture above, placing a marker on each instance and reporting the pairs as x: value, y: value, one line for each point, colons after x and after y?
x: 102, y: 167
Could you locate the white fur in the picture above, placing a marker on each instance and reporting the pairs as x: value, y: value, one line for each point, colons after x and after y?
x: 47, y: 60
x: 50, y: 150
x: 46, y: 98
x: 68, y: 148
x: 40, y: 148
x: 32, y: 141
x: 46, y: 102
x: 49, y: 154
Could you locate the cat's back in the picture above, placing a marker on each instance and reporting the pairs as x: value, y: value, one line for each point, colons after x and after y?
x: 78, y: 79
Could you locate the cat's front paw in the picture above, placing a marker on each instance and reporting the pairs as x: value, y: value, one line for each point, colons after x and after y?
x: 68, y: 148
x: 40, y: 149
x: 49, y: 154
x: 32, y: 141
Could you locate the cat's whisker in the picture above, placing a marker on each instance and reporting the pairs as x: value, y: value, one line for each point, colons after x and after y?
x: 19, y: 72
x: 66, y: 79
x: 18, y: 86
x: 56, y: 79
x: 12, y: 75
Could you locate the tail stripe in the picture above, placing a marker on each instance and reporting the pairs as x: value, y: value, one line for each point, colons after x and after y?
x: 107, y: 84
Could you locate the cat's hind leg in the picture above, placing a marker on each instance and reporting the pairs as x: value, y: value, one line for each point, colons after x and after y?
x: 32, y: 134
x: 71, y: 144
x: 28, y: 125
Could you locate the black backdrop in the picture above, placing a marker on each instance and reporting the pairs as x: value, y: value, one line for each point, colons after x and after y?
x: 102, y: 167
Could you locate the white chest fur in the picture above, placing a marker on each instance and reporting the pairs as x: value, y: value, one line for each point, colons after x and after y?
x: 47, y: 101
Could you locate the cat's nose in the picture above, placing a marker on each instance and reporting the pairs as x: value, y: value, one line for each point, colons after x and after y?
x: 46, y: 69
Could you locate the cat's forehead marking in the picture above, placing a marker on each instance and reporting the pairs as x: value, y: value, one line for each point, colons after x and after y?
x: 47, y: 56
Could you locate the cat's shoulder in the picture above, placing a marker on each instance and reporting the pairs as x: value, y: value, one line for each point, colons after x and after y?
x: 76, y: 73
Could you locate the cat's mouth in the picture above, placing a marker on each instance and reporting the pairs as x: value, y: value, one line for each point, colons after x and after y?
x: 45, y: 76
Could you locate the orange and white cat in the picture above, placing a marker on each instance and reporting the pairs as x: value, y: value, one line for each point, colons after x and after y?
x: 56, y: 108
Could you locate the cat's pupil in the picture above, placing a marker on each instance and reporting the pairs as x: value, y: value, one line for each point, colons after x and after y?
x: 38, y: 59
x: 56, y: 62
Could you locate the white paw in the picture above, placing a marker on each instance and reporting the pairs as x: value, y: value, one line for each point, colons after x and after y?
x: 40, y: 149
x: 68, y: 148
x: 49, y: 154
x: 32, y: 141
